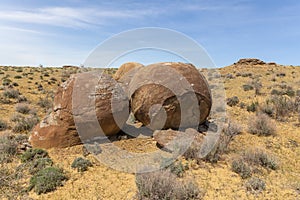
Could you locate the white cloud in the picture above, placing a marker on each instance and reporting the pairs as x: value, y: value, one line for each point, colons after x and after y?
x: 70, y: 17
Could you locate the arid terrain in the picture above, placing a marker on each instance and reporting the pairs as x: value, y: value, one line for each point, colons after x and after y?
x: 252, y: 87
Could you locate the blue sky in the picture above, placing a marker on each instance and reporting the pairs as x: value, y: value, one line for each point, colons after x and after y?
x: 54, y: 33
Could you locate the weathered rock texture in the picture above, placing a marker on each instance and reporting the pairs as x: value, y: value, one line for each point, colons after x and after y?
x: 170, y: 95
x: 58, y: 129
x: 171, y: 139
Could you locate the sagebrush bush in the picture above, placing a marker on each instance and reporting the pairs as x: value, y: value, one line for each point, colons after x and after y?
x: 240, y: 167
x: 33, y: 154
x: 11, y: 93
x: 10, y: 186
x: 283, y: 107
x: 45, y: 103
x: 8, y: 148
x: 25, y: 123
x: 268, y: 109
x: 261, y: 125
x: 23, y: 108
x: 260, y: 157
x: 257, y: 86
x: 164, y: 185
x: 255, y: 184
x: 47, y: 180
x: 81, y: 164
x: 228, y: 134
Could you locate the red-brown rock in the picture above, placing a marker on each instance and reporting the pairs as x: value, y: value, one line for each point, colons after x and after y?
x: 170, y: 95
x: 58, y: 129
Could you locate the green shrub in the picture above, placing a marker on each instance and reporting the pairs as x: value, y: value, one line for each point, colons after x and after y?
x: 247, y: 87
x: 261, y: 125
x: 18, y: 77
x: 233, y: 101
x: 38, y: 164
x: 255, y: 184
x: 177, y: 168
x: 276, y: 92
x: 81, y: 164
x: 47, y: 180
x: 33, y: 154
x: 252, y: 107
x: 240, y: 167
x: 164, y: 185
x: 3, y: 125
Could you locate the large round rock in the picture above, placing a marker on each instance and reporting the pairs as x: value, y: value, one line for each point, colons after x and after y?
x: 100, y: 106
x: 84, y: 102
x: 125, y: 68
x: 170, y: 95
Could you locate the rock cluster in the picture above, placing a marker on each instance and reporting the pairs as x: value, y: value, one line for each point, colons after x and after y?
x: 161, y: 96
x: 250, y: 61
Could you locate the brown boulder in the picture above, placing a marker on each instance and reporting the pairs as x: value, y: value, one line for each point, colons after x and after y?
x: 170, y: 95
x: 125, y: 68
x: 58, y: 129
